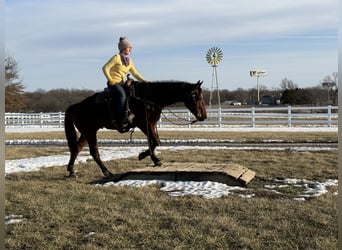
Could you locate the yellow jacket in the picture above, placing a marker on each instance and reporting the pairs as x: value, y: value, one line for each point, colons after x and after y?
x: 115, y: 71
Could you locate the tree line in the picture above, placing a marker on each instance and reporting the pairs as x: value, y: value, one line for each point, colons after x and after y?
x: 59, y: 99
x: 55, y: 100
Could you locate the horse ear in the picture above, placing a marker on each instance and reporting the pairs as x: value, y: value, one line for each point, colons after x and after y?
x: 199, y: 83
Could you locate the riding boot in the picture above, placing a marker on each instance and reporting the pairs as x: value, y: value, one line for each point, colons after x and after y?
x: 125, y: 123
x: 120, y: 126
x: 126, y: 117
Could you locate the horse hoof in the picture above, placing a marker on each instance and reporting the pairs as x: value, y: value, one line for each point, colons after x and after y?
x: 158, y: 164
x: 142, y: 156
x: 72, y: 175
x: 107, y: 174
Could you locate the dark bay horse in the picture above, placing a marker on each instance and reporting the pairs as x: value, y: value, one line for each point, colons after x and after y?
x: 89, y: 115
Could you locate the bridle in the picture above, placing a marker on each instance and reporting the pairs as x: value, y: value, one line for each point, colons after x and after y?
x: 179, y: 117
x: 192, y: 96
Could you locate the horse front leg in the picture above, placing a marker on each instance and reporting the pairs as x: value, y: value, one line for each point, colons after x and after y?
x: 157, y: 162
x: 151, y: 152
x: 153, y: 142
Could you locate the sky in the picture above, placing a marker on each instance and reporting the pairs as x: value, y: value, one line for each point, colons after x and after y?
x: 64, y: 44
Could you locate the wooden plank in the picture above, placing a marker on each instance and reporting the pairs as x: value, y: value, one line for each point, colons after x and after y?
x: 247, y: 176
x: 230, y: 173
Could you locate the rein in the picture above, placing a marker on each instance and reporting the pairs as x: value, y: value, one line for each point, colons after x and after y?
x: 179, y: 117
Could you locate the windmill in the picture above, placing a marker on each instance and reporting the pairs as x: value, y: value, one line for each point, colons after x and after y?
x: 214, y: 57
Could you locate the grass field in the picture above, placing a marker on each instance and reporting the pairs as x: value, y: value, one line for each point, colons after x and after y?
x: 60, y: 213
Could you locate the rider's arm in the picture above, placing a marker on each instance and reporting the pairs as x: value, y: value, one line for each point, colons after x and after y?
x: 135, y: 73
x: 108, y: 66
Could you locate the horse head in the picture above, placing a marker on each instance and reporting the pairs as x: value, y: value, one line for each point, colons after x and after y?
x: 195, y: 102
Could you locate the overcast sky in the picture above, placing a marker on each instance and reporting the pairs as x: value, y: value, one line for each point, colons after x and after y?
x: 64, y: 44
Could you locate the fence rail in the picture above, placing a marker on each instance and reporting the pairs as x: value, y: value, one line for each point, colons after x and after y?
x: 290, y: 116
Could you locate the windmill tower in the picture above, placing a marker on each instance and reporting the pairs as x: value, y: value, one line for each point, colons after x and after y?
x: 214, y: 57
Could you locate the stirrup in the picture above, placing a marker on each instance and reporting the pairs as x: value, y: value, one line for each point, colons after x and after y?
x: 122, y: 127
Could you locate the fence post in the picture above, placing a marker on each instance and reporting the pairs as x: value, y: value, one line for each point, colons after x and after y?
x: 22, y: 120
x: 60, y: 119
x: 329, y: 116
x: 220, y: 117
x: 189, y: 119
x: 253, y: 117
x: 289, y: 117
x: 159, y: 124
x: 41, y: 119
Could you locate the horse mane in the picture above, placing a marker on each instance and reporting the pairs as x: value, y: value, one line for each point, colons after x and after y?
x: 170, y: 83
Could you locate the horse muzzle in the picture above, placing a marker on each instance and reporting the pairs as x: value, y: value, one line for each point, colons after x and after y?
x: 201, y: 118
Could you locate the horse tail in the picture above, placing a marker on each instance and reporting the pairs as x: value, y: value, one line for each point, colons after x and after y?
x: 69, y: 128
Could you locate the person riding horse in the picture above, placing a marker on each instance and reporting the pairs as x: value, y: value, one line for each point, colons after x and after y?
x: 115, y: 71
x: 88, y: 116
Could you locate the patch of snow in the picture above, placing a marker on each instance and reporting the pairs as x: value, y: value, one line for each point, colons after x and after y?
x: 89, y: 234
x: 12, y: 218
x: 310, y: 188
x: 273, y: 141
x: 247, y: 196
x: 34, y: 164
x: 205, y: 189
x: 210, y: 190
x: 111, y: 153
x: 298, y: 199
x: 35, y: 142
x: 33, y: 129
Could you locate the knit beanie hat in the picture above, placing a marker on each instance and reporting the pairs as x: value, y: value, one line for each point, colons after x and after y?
x: 124, y: 43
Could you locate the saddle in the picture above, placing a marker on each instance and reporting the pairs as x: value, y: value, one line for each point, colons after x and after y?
x: 105, y: 95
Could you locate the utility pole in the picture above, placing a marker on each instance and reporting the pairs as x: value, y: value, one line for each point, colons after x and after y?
x: 257, y: 74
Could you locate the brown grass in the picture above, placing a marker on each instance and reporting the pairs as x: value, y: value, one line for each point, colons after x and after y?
x: 164, y: 134
x: 60, y: 213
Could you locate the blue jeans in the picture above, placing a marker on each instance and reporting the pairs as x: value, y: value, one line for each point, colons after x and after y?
x: 119, y: 96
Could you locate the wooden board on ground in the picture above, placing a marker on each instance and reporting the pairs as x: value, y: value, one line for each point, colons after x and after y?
x: 231, y: 174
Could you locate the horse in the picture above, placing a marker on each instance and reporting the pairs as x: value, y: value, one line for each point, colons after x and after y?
x: 146, y: 105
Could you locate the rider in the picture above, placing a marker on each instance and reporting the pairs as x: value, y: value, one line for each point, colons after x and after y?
x: 115, y: 71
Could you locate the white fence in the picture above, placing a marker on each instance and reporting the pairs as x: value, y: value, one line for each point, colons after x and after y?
x: 320, y: 116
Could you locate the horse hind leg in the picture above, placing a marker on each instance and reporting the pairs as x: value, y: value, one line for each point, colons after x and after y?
x: 94, y: 152
x: 74, y: 151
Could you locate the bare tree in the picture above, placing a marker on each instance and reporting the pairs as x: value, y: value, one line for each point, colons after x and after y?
x: 330, y: 78
x: 14, y: 87
x: 287, y: 84
x: 330, y: 83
